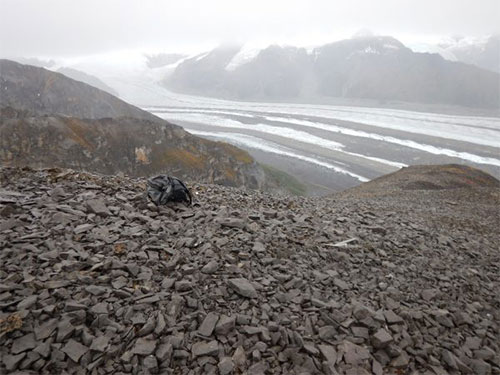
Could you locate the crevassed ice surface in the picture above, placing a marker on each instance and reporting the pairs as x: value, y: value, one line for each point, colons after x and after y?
x: 328, y: 134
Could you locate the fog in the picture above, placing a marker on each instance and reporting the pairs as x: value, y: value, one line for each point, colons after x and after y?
x: 59, y: 28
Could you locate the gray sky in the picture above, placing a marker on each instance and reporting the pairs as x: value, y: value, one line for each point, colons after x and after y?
x: 67, y: 28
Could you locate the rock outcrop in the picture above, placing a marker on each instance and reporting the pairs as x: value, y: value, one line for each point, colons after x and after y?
x: 48, y: 119
x: 122, y: 145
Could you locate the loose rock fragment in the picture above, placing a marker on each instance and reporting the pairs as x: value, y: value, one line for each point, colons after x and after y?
x: 243, y: 287
x: 226, y: 366
x: 381, y: 339
x: 225, y: 325
x: 100, y: 344
x: 208, y: 324
x: 144, y: 346
x: 23, y: 343
x: 205, y: 348
x: 98, y: 207
x: 12, y: 361
x: 210, y: 267
x: 74, y: 350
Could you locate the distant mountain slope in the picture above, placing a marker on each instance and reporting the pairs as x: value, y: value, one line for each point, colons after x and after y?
x: 162, y: 59
x: 379, y: 68
x: 205, y: 72
x: 42, y: 92
x: 137, y: 147
x: 48, y: 119
x: 482, y: 52
x: 87, y: 78
x: 383, y: 68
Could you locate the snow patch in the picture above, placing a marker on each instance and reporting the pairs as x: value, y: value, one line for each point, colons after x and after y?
x: 245, y: 55
x: 371, y: 50
x: 202, y: 56
x: 431, y: 48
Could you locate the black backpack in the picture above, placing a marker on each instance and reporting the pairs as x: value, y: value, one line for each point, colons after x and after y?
x: 163, y: 189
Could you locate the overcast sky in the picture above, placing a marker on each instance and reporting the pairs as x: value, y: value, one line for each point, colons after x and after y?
x: 69, y: 28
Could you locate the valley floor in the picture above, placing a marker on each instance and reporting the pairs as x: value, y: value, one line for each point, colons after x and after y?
x: 334, y: 147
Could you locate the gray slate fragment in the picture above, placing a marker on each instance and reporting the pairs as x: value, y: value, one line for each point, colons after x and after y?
x: 164, y: 352
x: 144, y: 346
x: 12, y: 361
x: 82, y: 228
x: 64, y: 330
x: 74, y: 306
x: 160, y: 323
x: 74, y: 350
x: 226, y: 366
x: 23, y: 343
x: 46, y: 329
x: 400, y: 361
x: 381, y: 339
x: 205, y: 348
x: 243, y: 287
x: 231, y: 222
x: 43, y: 349
x: 327, y: 332
x: 98, y: 207
x: 225, y: 325
x: 100, y: 308
x: 429, y: 294
x: 27, y: 303
x: 210, y: 267
x: 392, y: 318
x: 259, y: 368
x: 239, y: 357
x: 100, y: 343
x: 328, y: 352
x: 150, y: 362
x: 341, y: 284
x: 148, y: 327
x: 207, y: 326
x: 183, y: 286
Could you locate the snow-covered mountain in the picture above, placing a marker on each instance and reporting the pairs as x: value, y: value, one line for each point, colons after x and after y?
x: 365, y: 66
x: 483, y: 52
x: 368, y: 67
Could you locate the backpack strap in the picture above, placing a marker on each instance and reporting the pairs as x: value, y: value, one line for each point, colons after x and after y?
x: 187, y: 191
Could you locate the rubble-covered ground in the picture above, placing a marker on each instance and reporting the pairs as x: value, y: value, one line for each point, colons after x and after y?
x: 94, y: 279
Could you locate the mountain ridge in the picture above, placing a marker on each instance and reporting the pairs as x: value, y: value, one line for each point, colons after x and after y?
x: 49, y: 119
x: 379, y: 68
x: 88, y: 79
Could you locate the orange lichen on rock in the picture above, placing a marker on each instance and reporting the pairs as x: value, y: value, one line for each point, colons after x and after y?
x: 10, y: 323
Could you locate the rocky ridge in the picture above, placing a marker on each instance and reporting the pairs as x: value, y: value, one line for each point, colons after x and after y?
x: 48, y: 119
x: 136, y: 147
x: 94, y: 279
x: 44, y: 92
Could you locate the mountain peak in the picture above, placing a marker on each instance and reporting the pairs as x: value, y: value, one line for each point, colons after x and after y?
x: 363, y: 33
